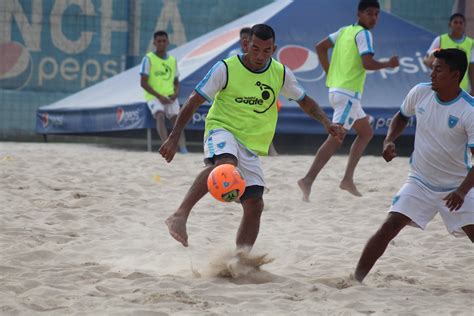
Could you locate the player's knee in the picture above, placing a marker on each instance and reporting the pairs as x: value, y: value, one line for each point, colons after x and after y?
x: 334, y: 141
x: 252, y: 200
x: 253, y: 193
x: 225, y: 159
x: 389, y: 229
x: 160, y: 116
x: 366, y: 133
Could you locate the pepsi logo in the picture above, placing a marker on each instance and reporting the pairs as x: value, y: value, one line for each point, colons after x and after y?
x: 303, y: 62
x: 126, y: 117
x: 15, y: 66
x: 52, y: 120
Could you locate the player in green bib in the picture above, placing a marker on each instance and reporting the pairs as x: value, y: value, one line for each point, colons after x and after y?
x: 455, y: 39
x: 159, y: 80
x: 240, y: 125
x: 352, y: 56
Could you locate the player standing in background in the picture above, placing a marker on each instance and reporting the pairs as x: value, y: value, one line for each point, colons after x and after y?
x: 455, y: 39
x: 352, y: 56
x: 159, y: 78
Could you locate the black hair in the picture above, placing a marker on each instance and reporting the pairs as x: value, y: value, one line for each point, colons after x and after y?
x: 455, y: 58
x: 160, y: 33
x: 245, y: 30
x: 262, y: 31
x: 457, y: 15
x: 364, y: 4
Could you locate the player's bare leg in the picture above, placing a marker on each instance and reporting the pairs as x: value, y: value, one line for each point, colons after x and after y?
x: 161, y: 126
x: 377, y: 244
x: 177, y: 221
x: 364, y: 135
x: 324, y: 153
x: 250, y: 223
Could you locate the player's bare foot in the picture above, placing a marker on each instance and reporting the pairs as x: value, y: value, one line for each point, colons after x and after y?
x: 350, y: 187
x: 177, y: 228
x: 305, y: 188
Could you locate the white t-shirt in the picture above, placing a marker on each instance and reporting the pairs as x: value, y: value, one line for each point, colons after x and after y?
x: 216, y: 79
x: 364, y: 42
x: 443, y: 139
x: 146, y: 65
x: 437, y: 44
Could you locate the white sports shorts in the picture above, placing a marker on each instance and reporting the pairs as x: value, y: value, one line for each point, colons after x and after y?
x: 220, y: 141
x: 421, y: 204
x: 347, y: 109
x: 170, y: 109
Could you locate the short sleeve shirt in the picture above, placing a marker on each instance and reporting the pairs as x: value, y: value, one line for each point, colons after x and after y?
x: 443, y: 139
x: 216, y: 79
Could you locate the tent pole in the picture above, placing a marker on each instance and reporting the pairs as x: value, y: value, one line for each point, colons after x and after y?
x: 148, y: 139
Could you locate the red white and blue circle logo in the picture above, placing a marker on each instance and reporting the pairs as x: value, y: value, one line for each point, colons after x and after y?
x: 303, y: 62
x: 16, y: 67
x: 120, y: 115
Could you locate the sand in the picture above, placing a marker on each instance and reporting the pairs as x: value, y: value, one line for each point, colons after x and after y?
x: 82, y: 233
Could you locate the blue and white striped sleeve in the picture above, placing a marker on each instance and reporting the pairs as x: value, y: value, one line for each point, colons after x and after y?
x: 408, y: 107
x: 470, y: 129
x: 333, y: 36
x: 434, y: 45
x: 365, y: 43
x: 145, y: 66
x: 213, y: 82
x: 177, y: 71
x: 291, y: 89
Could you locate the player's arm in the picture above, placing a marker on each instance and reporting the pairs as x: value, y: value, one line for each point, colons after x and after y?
x: 206, y: 90
x: 176, y: 84
x: 429, y: 57
x: 455, y: 200
x: 397, y: 126
x: 365, y: 46
x: 176, y: 89
x: 471, y: 77
x: 313, y: 109
x: 169, y: 147
x: 428, y: 60
x: 322, y: 49
x: 146, y: 86
x: 370, y: 63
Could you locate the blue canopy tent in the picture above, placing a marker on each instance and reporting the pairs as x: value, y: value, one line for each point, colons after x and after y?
x: 118, y: 103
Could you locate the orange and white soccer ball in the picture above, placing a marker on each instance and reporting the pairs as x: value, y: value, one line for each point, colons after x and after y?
x: 225, y: 183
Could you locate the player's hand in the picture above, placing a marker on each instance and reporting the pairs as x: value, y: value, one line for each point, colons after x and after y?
x: 337, y: 131
x: 454, y: 200
x: 173, y: 97
x: 389, y: 151
x: 164, y: 100
x: 169, y: 147
x: 393, y: 62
